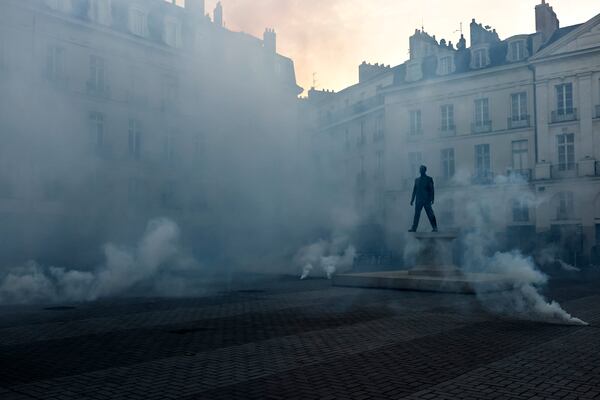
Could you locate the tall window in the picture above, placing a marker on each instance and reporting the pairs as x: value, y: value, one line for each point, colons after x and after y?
x: 519, y: 106
x: 517, y: 50
x: 566, y: 151
x: 169, y: 147
x: 520, y: 210
x: 445, y: 66
x: 479, y: 58
x: 97, y: 130
x: 55, y: 63
x: 520, y: 155
x: 379, y: 128
x: 448, y: 163
x: 565, y: 206
x: 416, y: 127
x: 135, y: 139
x: 564, y: 99
x: 172, y: 32
x: 483, y: 164
x: 100, y: 11
x: 362, y: 139
x: 97, y: 82
x: 482, y: 112
x: 380, y: 160
x: 448, y: 118
x: 138, y: 21
x: 415, y: 160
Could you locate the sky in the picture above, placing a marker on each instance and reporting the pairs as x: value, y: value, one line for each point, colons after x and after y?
x: 330, y: 38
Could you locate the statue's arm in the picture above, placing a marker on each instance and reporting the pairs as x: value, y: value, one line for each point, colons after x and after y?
x: 432, y: 191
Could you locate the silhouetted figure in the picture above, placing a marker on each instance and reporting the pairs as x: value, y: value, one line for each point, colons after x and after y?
x: 424, y: 194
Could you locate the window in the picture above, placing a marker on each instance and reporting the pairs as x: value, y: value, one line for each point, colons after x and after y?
x: 55, y: 63
x: 415, y: 160
x: 172, y: 32
x: 138, y: 21
x: 518, y: 106
x: 566, y: 151
x: 100, y: 11
x: 97, y: 130
x: 448, y: 163
x: 445, y: 65
x: 482, y: 112
x: 380, y: 160
x: 564, y: 99
x: 379, y: 129
x: 479, y: 58
x: 362, y: 140
x: 347, y: 138
x: 520, y: 210
x: 483, y: 165
x: 520, y: 155
x: 517, y: 50
x: 135, y: 139
x: 97, y: 82
x: 448, y: 118
x: 565, y: 206
x: 416, y: 127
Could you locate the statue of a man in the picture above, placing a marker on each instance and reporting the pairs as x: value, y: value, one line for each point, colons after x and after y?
x: 424, y: 194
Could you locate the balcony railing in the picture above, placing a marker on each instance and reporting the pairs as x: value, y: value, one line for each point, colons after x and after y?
x: 482, y: 178
x: 519, y: 175
x: 521, y: 121
x: 564, y: 115
x: 449, y: 130
x: 562, y: 171
x: 481, y: 127
x: 597, y: 111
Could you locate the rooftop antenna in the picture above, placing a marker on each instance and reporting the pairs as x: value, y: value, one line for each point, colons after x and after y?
x: 422, y: 24
x: 461, y: 29
x: 314, y: 82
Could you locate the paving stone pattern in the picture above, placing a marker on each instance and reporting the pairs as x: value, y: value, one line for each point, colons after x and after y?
x: 286, y: 339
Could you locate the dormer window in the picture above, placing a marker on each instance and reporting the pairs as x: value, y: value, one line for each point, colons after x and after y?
x: 517, y: 50
x: 479, y: 58
x: 138, y: 21
x: 100, y: 12
x: 445, y: 65
x: 60, y: 5
x: 172, y: 34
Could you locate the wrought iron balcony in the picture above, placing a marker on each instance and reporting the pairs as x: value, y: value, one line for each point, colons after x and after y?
x: 520, y: 121
x: 483, y: 177
x: 518, y: 175
x: 449, y: 130
x: 565, y: 115
x: 481, y: 127
x: 565, y: 170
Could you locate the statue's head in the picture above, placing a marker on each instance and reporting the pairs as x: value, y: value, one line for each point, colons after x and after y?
x: 423, y: 170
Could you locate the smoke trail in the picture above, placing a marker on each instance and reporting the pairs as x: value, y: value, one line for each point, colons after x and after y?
x: 523, y: 299
x: 329, y: 256
x: 123, y: 268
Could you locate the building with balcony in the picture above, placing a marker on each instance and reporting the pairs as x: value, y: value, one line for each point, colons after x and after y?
x: 116, y: 111
x: 516, y: 111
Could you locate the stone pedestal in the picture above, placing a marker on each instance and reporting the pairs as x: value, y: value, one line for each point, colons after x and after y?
x: 433, y: 271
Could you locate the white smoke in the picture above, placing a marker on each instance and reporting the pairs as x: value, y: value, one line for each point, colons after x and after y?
x: 123, y: 268
x: 330, y: 257
x: 549, y: 255
x: 523, y: 299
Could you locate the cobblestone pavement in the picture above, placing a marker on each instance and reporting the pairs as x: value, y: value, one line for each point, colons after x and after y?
x: 286, y: 339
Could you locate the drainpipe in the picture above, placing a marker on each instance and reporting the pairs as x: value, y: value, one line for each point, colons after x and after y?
x: 535, y: 119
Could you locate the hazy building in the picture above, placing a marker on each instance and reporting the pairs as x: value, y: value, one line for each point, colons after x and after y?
x: 113, y: 111
x: 518, y: 111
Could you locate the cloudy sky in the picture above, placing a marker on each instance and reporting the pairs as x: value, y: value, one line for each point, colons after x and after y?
x: 331, y: 37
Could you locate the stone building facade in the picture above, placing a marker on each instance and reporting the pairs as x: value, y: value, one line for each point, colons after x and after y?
x: 522, y: 111
x: 114, y: 111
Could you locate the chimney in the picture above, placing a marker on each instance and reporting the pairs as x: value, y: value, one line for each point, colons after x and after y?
x: 195, y: 8
x: 270, y: 40
x: 546, y: 21
x: 218, y: 14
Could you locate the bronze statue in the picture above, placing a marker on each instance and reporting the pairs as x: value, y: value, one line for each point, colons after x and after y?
x: 424, y: 194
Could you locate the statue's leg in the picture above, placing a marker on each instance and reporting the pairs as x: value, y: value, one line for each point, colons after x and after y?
x: 418, y: 209
x: 431, y: 216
